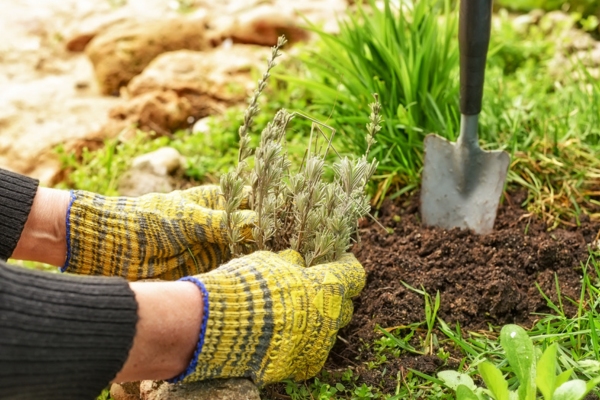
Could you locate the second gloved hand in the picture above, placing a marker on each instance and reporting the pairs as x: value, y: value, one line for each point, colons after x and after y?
x: 268, y: 318
x: 163, y: 236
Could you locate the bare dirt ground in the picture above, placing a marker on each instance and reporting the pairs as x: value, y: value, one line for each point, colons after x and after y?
x: 48, y: 94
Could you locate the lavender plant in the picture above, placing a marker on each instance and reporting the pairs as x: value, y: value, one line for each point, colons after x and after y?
x: 299, y: 210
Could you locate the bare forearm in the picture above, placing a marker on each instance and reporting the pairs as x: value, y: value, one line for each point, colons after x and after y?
x: 44, y: 235
x: 170, y: 315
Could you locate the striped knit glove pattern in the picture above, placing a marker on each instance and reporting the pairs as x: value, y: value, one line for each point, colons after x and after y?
x: 268, y: 318
x: 155, y: 236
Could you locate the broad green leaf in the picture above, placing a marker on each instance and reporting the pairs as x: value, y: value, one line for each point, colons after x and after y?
x: 572, y: 390
x: 546, y: 372
x: 521, y: 357
x: 494, y: 380
x: 563, y: 377
x: 464, y: 393
x: 453, y: 379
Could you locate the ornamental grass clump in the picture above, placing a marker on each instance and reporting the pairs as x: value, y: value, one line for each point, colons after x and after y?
x: 299, y: 209
x: 408, y: 53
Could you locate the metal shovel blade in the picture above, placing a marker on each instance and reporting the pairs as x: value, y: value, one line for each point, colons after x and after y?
x: 461, y: 184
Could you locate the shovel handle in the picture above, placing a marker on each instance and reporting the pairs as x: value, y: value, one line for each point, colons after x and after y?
x: 475, y: 23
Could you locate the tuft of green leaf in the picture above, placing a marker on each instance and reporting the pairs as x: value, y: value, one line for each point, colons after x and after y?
x: 494, y: 380
x: 521, y: 357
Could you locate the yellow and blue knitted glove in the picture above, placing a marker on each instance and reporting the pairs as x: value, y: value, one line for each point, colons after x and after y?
x: 268, y: 318
x: 163, y: 236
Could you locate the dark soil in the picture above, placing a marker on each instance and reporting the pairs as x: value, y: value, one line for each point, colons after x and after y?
x: 482, y: 280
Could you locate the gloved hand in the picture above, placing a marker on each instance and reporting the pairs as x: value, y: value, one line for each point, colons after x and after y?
x: 164, y: 236
x: 268, y: 318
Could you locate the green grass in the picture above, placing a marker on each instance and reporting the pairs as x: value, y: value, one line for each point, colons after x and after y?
x: 548, y: 120
x: 575, y: 335
x: 408, y: 57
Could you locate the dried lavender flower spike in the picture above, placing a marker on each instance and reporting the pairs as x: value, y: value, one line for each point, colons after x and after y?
x: 253, y: 108
x: 231, y: 182
x: 375, y: 121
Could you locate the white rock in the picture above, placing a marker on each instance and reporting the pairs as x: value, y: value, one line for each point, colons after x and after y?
x: 150, y: 173
x: 202, y: 125
x: 163, y: 161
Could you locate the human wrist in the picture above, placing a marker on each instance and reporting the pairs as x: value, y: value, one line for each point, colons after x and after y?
x: 44, y: 235
x: 169, y: 320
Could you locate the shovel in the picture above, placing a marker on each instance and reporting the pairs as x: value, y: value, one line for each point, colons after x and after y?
x: 461, y: 183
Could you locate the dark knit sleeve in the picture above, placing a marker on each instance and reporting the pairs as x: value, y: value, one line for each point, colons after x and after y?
x: 62, y: 337
x: 16, y: 197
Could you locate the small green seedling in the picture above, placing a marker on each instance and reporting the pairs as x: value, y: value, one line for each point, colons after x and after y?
x: 533, y: 374
x: 462, y: 384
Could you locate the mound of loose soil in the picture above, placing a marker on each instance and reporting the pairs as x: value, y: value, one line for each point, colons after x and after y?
x: 482, y: 280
